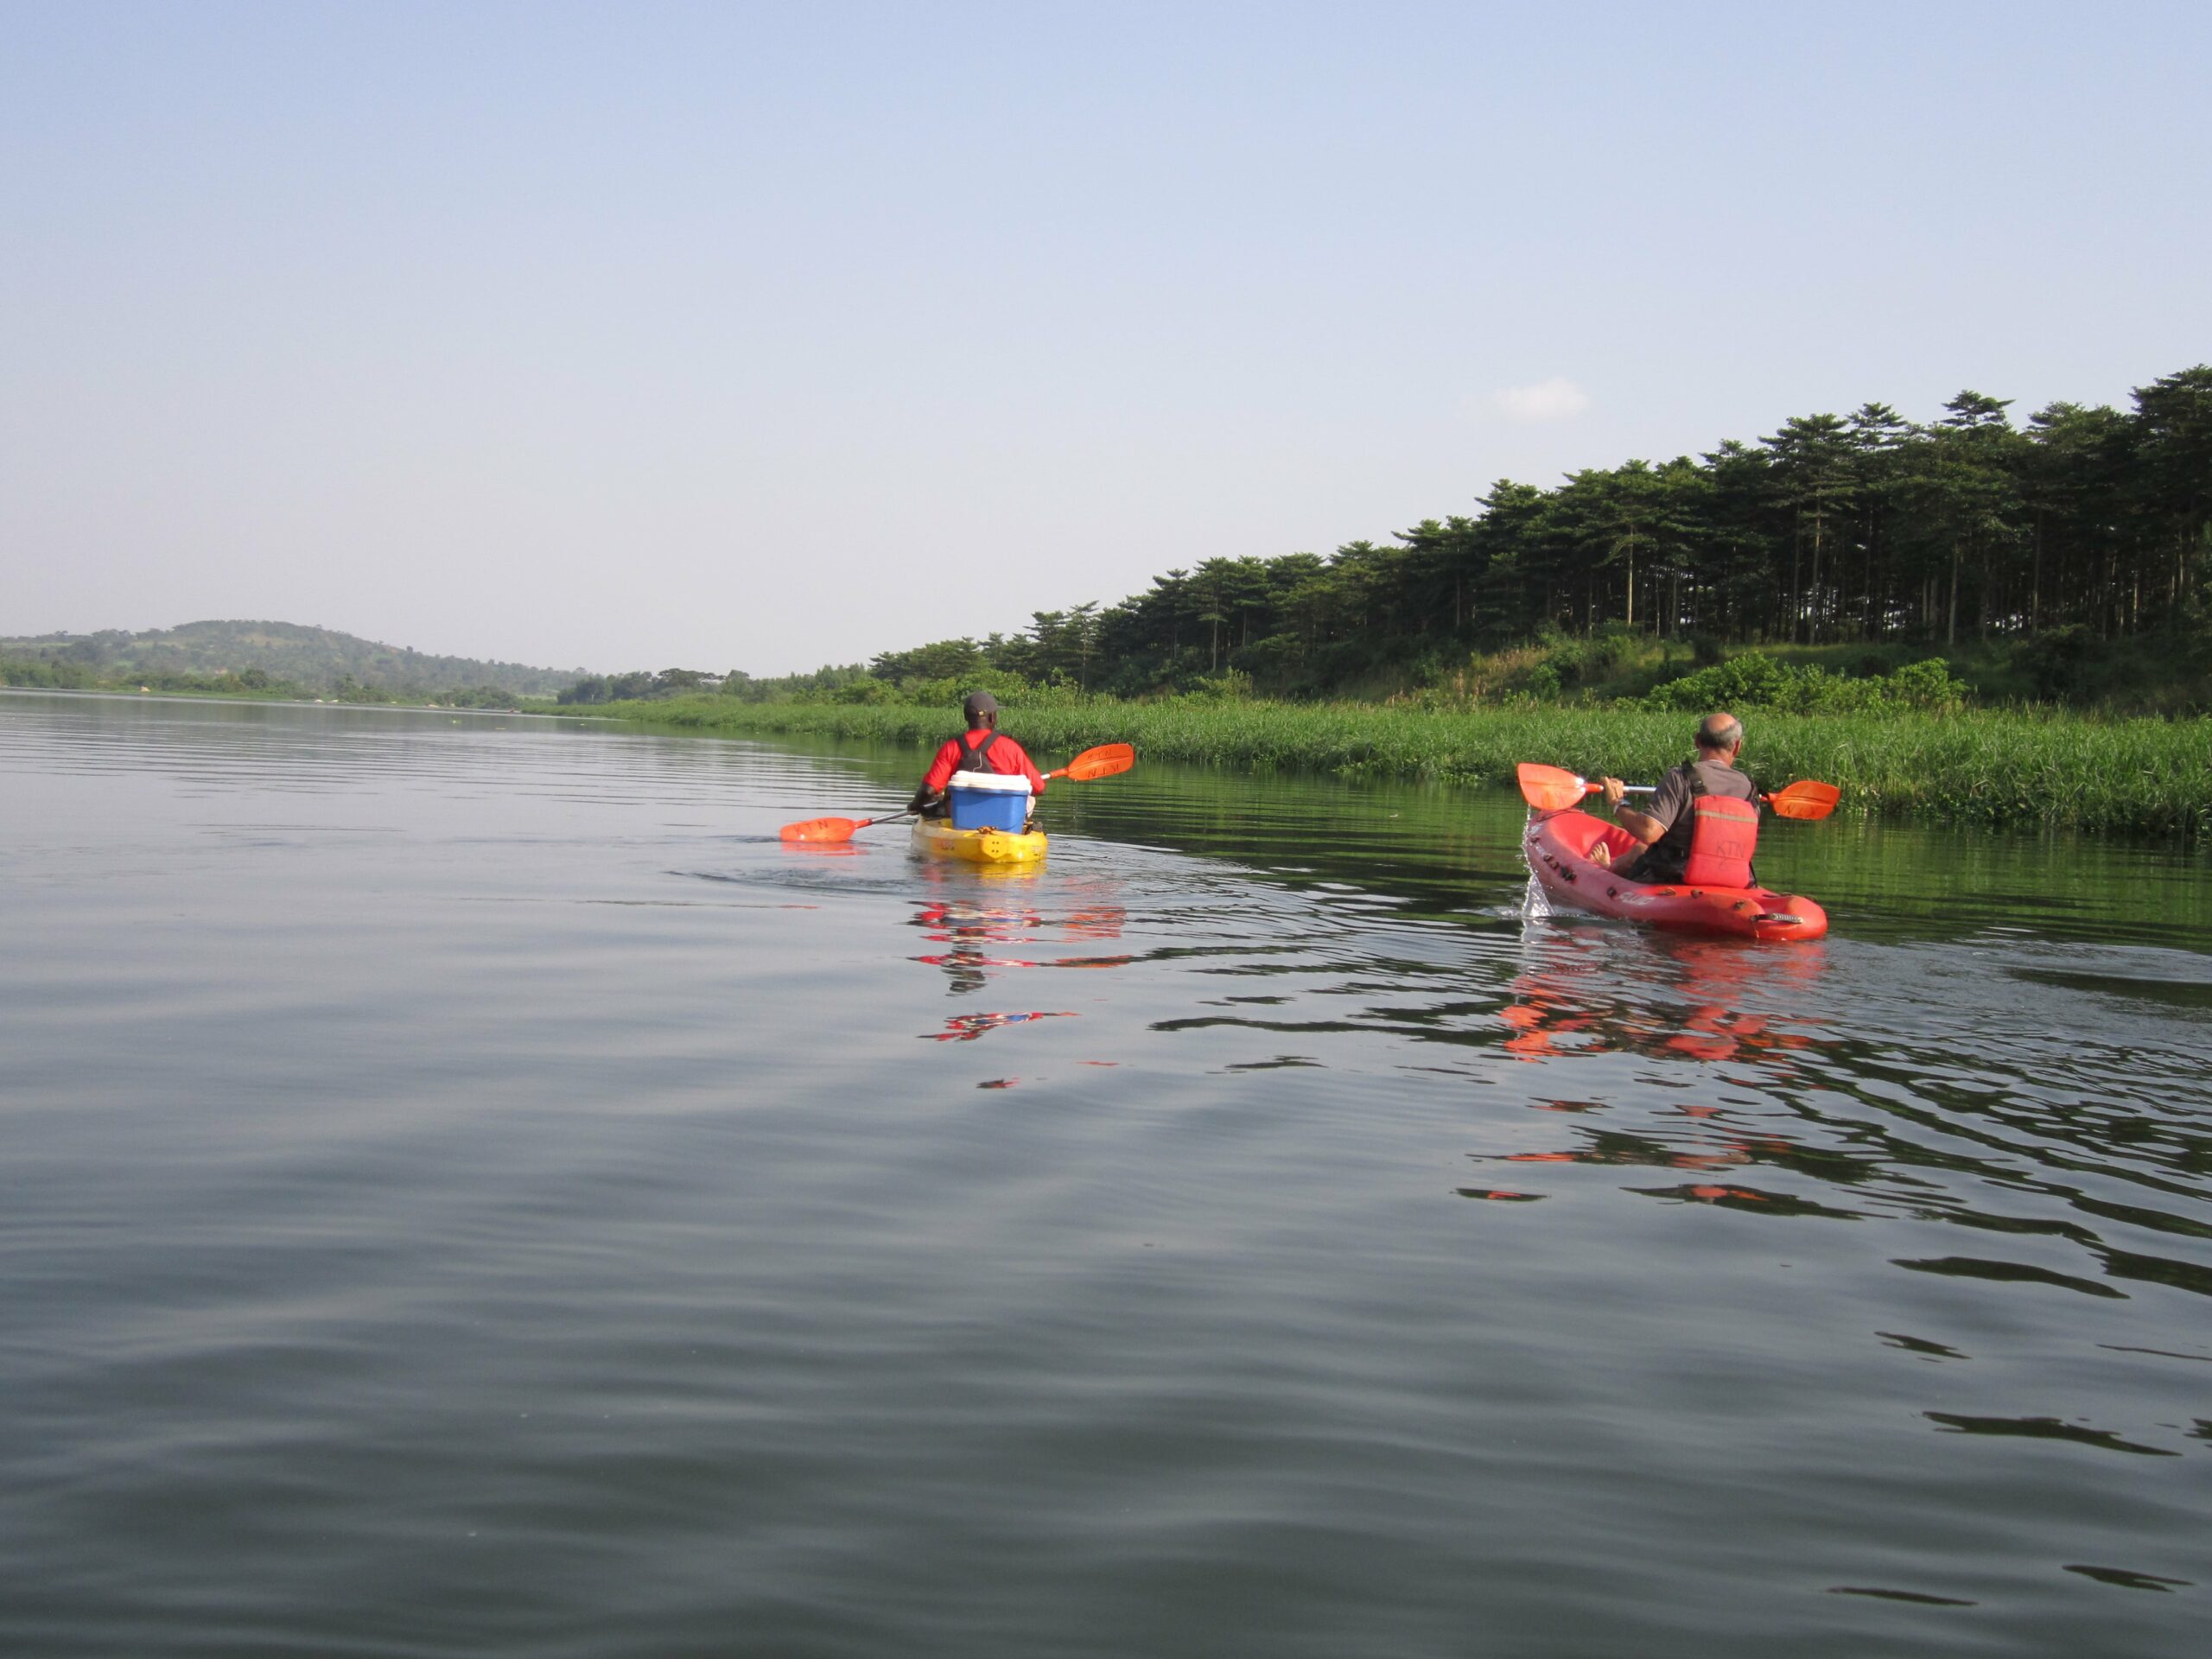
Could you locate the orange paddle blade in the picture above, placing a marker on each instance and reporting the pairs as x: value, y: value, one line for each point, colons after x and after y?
x: 1102, y: 762
x: 1805, y: 799
x: 1550, y: 789
x: 823, y: 829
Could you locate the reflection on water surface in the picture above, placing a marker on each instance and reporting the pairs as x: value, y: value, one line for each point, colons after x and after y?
x: 474, y: 1190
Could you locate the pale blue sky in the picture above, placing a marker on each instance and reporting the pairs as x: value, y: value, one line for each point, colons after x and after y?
x: 763, y: 336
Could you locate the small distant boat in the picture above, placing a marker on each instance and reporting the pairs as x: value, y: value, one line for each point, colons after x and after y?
x: 1558, y: 844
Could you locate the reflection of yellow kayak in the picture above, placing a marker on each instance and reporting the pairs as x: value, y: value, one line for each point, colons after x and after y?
x: 978, y: 846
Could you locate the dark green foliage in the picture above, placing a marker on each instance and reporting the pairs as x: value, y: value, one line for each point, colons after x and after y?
x: 2055, y: 661
x: 640, y: 682
x: 1755, y: 680
x: 784, y: 688
x: 66, y: 672
x: 57, y: 673
x: 645, y: 685
x: 945, y: 659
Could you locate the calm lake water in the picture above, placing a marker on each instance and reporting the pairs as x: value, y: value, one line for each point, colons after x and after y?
x: 469, y: 1190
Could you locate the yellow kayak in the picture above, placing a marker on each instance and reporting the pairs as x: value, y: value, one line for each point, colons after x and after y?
x: 978, y: 846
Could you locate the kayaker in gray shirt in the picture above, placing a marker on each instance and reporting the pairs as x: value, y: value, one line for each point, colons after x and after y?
x: 1683, y: 838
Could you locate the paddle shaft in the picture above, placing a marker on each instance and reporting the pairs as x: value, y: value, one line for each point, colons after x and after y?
x: 1797, y: 795
x: 1553, y: 789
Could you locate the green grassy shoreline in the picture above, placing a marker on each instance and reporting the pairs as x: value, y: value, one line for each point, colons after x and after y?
x: 2022, y: 769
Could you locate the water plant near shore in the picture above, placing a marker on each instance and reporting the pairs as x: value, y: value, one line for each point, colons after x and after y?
x: 2026, y: 769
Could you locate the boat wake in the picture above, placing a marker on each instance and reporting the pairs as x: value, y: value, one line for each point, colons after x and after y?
x: 1535, y: 905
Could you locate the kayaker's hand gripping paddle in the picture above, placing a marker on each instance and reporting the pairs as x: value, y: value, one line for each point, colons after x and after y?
x: 1101, y: 762
x: 1553, y: 789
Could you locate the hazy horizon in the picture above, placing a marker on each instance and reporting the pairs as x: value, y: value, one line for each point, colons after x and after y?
x: 737, y: 338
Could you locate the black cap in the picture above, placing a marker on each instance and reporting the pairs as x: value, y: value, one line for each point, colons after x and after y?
x: 978, y: 704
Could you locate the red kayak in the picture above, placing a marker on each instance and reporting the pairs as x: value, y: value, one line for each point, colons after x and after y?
x: 1559, y: 846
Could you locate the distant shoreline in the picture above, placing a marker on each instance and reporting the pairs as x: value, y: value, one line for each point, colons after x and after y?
x: 260, y: 700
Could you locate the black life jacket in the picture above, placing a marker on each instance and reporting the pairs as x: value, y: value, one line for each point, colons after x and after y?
x: 976, y: 757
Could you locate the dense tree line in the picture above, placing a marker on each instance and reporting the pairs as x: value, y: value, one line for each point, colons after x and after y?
x: 1834, y: 528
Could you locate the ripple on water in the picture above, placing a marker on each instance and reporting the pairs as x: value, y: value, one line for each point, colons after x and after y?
x: 488, y: 1163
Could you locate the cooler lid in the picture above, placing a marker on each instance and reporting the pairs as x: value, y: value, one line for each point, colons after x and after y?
x: 990, y: 782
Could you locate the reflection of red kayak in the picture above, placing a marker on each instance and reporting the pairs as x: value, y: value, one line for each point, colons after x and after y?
x: 1559, y: 843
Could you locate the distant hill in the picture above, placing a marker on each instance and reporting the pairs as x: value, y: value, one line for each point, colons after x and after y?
x: 315, y: 659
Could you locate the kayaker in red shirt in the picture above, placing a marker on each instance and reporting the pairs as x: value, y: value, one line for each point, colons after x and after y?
x: 1704, y: 819
x: 980, y: 748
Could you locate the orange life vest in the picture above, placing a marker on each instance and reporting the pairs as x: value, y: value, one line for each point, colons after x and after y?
x: 1723, y: 832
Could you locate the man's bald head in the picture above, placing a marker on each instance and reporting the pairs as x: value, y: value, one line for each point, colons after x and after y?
x: 1719, y: 732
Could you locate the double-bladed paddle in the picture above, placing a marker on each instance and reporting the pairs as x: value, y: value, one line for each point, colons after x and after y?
x: 1555, y: 789
x: 1101, y: 762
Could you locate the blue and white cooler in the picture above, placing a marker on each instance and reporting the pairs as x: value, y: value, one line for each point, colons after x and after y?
x: 984, y: 800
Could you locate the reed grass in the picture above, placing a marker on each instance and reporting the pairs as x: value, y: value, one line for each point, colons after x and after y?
x: 2026, y: 769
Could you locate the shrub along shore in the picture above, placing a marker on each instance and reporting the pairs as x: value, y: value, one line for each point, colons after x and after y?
x: 2021, y: 769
